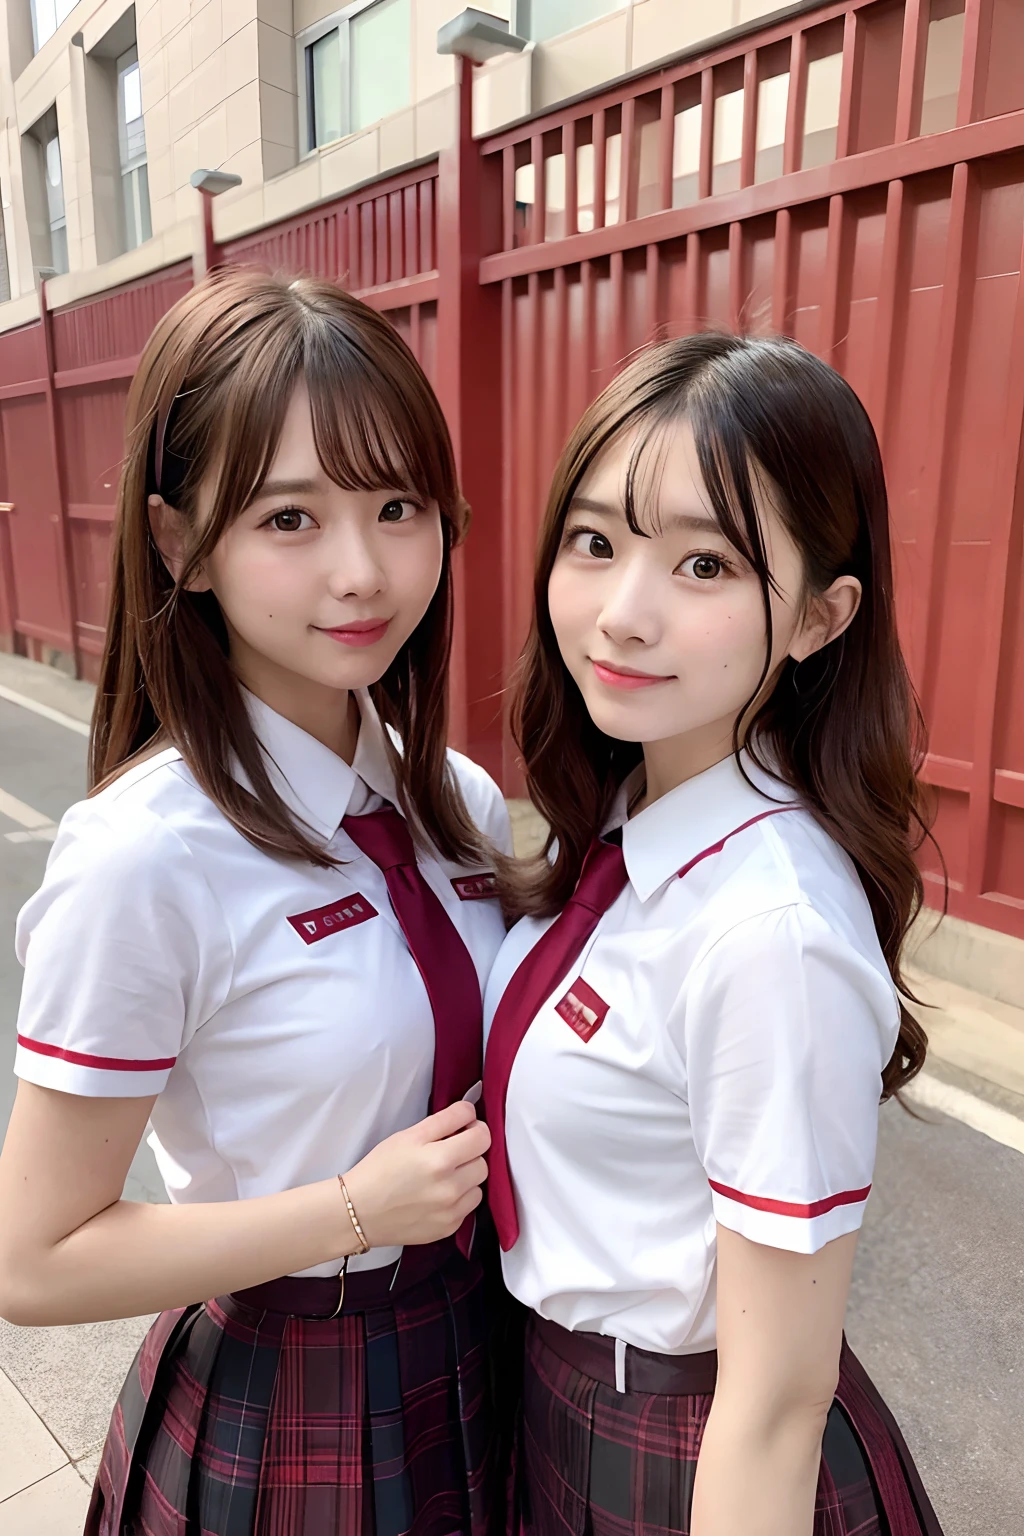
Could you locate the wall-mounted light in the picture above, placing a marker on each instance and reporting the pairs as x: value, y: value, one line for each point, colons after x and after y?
x: 479, y: 36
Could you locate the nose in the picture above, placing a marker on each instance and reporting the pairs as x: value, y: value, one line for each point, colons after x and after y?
x: 355, y: 570
x: 628, y: 615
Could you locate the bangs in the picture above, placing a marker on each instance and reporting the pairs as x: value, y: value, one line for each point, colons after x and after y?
x: 376, y: 422
x: 375, y: 426
x: 733, y: 482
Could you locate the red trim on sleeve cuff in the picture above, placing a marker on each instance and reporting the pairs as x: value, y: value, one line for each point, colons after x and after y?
x: 789, y: 1208
x: 101, y: 1063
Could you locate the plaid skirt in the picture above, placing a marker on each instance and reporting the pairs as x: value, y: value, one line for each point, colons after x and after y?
x: 597, y: 1462
x: 239, y: 1419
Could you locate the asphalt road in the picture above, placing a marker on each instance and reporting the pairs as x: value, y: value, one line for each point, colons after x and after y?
x: 938, y: 1300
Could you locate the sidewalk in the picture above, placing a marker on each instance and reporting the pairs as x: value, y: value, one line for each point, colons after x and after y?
x: 57, y: 1386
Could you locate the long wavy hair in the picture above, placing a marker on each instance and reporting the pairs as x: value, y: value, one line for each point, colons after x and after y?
x: 766, y: 416
x: 207, y: 405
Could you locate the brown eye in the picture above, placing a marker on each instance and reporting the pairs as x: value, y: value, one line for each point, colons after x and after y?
x: 397, y: 512
x: 704, y: 567
x: 288, y: 521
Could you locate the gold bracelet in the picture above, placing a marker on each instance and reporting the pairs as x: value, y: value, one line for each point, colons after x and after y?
x: 364, y: 1246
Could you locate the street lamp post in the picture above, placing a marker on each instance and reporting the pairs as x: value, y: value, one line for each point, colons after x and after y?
x: 209, y: 184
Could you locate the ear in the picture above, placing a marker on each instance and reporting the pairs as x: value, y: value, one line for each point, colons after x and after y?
x: 169, y: 528
x: 828, y: 614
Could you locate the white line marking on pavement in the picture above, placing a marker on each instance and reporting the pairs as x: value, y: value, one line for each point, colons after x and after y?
x: 40, y: 827
x: 997, y: 1124
x: 56, y: 715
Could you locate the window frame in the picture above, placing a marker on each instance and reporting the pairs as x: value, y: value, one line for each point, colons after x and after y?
x: 339, y: 21
x: 521, y: 25
x: 132, y: 181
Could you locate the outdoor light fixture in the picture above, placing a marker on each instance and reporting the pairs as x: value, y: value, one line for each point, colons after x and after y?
x: 478, y: 36
x: 213, y: 183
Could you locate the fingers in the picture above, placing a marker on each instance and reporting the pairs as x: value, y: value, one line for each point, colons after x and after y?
x: 447, y: 1122
x: 466, y: 1146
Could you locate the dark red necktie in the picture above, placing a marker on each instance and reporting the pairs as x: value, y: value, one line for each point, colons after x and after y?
x: 441, y: 956
x: 602, y: 878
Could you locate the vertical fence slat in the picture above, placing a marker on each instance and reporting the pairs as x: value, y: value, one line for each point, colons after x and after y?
x: 508, y: 198
x: 780, y: 271
x: 572, y: 195
x: 792, y: 151
x: 885, y: 310
x: 666, y: 144
x: 651, y: 294
x: 912, y: 61
x: 707, y: 132
x: 749, y: 149
x: 977, y: 27
x: 629, y: 167
x: 538, y: 211
x: 736, y: 275
x: 599, y: 142
x: 827, y: 337
x: 850, y: 84
x: 691, y: 299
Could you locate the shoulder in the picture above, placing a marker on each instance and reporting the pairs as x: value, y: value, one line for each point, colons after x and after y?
x: 484, y: 800
x: 793, y: 965
x: 788, y: 860
x: 122, y: 853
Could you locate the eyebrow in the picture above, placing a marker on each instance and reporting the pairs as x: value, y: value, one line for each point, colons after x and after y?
x: 685, y: 520
x: 286, y: 488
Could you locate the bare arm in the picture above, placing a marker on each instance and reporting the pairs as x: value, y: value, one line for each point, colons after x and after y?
x: 780, y: 1327
x: 71, y: 1250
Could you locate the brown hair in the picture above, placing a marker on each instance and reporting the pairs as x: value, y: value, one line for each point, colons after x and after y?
x: 765, y: 414
x: 208, y: 402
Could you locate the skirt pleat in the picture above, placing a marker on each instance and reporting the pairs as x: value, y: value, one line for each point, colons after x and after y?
x: 254, y: 1423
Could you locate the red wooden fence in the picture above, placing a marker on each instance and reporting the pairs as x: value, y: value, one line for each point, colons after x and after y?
x: 853, y: 176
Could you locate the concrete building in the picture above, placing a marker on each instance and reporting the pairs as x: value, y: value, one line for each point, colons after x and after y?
x: 109, y: 107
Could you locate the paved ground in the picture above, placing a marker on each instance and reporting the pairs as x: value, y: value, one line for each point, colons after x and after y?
x: 935, y: 1315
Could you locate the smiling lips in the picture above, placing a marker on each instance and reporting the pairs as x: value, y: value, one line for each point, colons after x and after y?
x: 625, y: 678
x: 361, y: 632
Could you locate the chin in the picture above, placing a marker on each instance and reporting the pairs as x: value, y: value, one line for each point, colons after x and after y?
x: 623, y: 722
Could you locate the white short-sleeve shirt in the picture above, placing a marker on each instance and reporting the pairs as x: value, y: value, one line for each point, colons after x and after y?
x: 273, y: 1007
x: 714, y: 1055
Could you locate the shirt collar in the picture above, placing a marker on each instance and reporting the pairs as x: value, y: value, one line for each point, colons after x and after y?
x: 694, y: 816
x: 316, y: 784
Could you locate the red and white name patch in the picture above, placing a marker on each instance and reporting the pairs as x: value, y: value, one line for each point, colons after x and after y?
x: 582, y: 1009
x: 323, y: 921
x: 476, y: 887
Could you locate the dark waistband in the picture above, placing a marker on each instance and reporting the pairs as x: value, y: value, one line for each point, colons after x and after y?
x: 316, y: 1296
x: 594, y: 1355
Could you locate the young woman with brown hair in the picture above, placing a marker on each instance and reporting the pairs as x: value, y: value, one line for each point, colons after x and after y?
x: 265, y: 932
x: 695, y: 1020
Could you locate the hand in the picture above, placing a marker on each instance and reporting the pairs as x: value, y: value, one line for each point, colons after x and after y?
x: 419, y: 1185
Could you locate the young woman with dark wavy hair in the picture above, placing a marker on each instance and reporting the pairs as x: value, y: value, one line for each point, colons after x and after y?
x: 695, y: 1019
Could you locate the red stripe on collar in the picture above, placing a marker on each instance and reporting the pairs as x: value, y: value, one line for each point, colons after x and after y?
x: 717, y: 847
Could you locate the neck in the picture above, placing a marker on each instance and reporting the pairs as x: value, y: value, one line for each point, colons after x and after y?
x: 329, y: 715
x: 671, y: 761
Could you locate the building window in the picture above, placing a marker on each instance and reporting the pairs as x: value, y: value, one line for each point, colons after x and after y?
x: 55, y: 203
x: 354, y: 68
x: 539, y: 20
x: 131, y: 135
x: 47, y: 16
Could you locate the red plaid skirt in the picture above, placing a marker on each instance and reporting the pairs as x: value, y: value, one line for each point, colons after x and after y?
x: 240, y: 1420
x: 597, y: 1462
